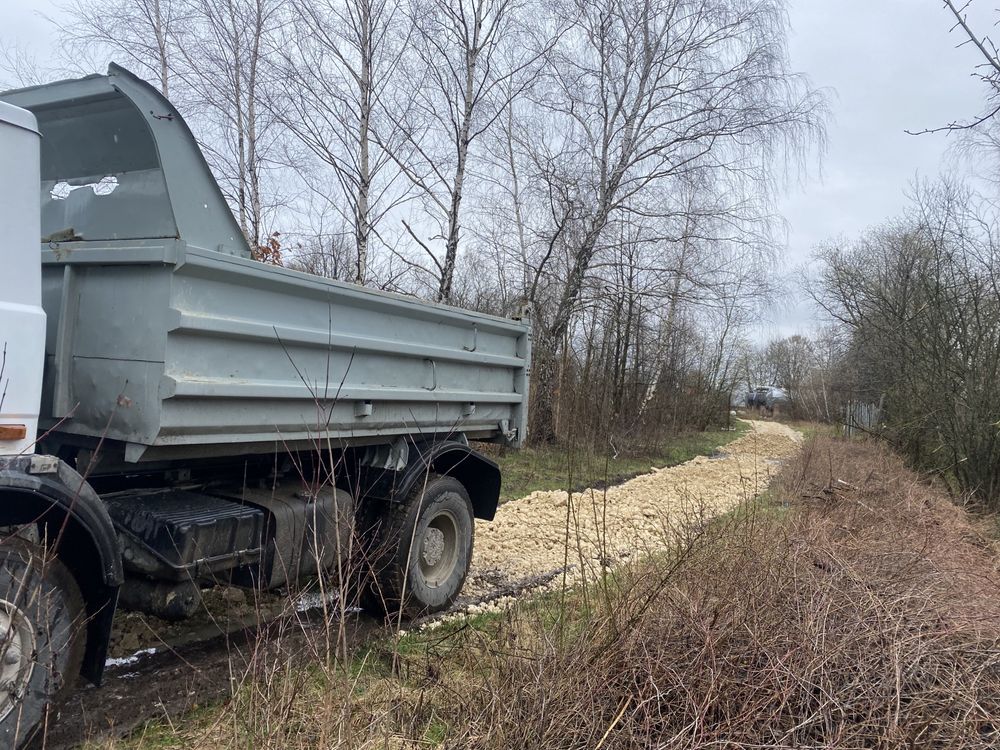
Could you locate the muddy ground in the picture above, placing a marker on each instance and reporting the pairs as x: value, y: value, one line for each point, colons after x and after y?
x: 530, y: 545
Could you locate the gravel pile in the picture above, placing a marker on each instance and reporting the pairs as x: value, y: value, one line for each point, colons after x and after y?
x: 548, y: 531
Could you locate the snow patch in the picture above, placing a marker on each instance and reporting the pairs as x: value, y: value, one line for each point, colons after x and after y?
x: 125, y: 661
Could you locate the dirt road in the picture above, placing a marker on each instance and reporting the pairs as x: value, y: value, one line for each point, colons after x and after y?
x: 541, y: 534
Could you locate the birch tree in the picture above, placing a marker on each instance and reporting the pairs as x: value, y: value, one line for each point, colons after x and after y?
x: 646, y: 92
x: 141, y: 34
x: 337, y: 66
x: 656, y: 89
x: 471, y: 59
x: 209, y: 57
x: 225, y: 67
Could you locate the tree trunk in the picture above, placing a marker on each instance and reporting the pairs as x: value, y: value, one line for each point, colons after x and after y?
x: 543, y: 390
x: 362, y: 219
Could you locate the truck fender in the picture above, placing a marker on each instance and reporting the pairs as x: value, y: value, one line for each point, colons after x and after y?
x: 478, y: 474
x: 45, y: 491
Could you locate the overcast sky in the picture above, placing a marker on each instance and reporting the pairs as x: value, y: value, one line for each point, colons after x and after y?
x: 891, y: 65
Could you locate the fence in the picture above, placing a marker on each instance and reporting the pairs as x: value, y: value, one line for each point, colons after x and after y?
x: 861, y: 418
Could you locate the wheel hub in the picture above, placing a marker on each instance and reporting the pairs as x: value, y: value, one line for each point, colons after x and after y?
x: 17, y: 649
x: 439, y: 549
x: 433, y: 546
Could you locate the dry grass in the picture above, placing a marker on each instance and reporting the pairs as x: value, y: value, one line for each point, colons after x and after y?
x: 867, y: 616
x: 855, y: 607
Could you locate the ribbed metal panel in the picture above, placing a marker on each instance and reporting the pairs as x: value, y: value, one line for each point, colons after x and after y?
x: 179, y: 351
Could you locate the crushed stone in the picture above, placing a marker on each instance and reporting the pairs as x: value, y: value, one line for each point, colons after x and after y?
x: 587, y: 532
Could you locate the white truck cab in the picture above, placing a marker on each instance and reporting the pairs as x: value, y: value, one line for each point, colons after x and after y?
x: 22, y: 335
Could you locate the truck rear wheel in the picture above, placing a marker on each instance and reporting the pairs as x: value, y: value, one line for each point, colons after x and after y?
x: 423, y: 551
x: 41, y: 637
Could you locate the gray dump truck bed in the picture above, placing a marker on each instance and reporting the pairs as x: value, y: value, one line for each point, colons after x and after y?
x: 164, y: 337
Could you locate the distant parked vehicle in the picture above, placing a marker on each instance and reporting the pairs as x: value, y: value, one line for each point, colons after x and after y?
x: 776, y: 398
x: 767, y: 397
x: 757, y: 398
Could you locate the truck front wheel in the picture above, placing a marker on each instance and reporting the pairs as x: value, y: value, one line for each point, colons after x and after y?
x: 423, y: 551
x: 41, y: 636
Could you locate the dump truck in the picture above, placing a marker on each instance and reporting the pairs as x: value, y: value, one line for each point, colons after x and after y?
x: 175, y: 415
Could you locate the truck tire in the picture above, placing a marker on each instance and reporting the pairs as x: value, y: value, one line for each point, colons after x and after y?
x: 42, y: 638
x: 438, y: 519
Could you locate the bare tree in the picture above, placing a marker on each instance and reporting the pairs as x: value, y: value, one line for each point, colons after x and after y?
x: 919, y: 299
x: 209, y: 57
x: 988, y: 71
x: 472, y: 58
x: 792, y: 359
x: 336, y: 67
x: 18, y: 67
x: 651, y: 90
x: 979, y: 135
x: 646, y: 93
x: 142, y: 34
x: 224, y: 53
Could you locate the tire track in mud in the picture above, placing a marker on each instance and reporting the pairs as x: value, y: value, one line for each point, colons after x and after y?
x: 525, y: 549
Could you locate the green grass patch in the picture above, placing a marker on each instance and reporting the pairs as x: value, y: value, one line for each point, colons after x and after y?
x: 160, y: 734
x: 558, y: 467
x: 436, y: 732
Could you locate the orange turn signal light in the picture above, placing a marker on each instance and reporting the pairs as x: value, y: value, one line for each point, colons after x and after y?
x: 13, y: 431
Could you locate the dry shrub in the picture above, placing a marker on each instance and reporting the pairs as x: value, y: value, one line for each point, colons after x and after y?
x: 857, y: 607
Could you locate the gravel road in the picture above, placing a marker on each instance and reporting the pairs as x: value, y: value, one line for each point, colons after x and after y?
x: 539, y: 535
